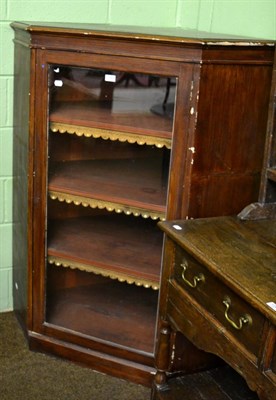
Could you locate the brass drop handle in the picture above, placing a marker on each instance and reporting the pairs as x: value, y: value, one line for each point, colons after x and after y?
x: 243, y: 320
x: 196, y: 279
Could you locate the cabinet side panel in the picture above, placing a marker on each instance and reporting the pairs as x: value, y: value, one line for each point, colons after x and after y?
x: 20, y: 185
x: 230, y: 138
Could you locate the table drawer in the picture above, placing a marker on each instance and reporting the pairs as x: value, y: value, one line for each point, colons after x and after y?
x: 238, y: 317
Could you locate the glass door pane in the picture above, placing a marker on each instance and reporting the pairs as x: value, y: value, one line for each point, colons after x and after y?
x: 109, y: 141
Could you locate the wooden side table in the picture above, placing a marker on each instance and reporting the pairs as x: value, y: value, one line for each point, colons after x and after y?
x: 219, y: 289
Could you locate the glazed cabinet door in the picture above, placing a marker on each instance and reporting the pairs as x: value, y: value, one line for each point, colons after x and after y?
x: 104, y: 135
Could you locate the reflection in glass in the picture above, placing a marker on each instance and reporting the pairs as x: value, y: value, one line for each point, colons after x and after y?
x: 124, y: 99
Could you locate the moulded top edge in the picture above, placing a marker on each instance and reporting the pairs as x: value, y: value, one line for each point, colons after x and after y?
x: 172, y: 35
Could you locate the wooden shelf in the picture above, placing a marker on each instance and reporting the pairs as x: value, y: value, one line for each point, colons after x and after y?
x: 88, y: 119
x: 131, y: 186
x: 119, y: 317
x: 87, y: 243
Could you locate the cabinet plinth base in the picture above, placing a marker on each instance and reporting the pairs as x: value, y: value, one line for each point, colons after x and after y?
x: 104, y: 363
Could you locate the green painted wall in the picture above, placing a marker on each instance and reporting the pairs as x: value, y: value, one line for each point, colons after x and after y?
x: 256, y: 18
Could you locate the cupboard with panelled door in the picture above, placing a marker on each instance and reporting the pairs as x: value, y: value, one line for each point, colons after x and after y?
x: 115, y: 129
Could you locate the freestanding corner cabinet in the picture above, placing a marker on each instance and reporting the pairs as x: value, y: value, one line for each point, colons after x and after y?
x: 115, y: 130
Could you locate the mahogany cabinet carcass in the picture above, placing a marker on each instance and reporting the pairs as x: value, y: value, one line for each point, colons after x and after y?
x: 115, y: 130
